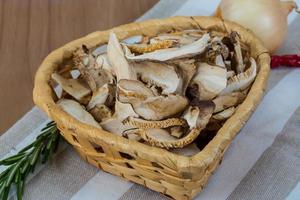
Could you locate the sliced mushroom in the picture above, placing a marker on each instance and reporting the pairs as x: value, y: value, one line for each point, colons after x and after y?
x: 187, y: 70
x: 210, y: 81
x: 191, y: 116
x: 158, y: 74
x: 177, y: 131
x: 133, y: 90
x: 241, y: 81
x: 219, y: 61
x: 230, y: 74
x: 159, y: 107
x: 77, y: 111
x: 158, y: 135
x: 216, y: 48
x: 206, y: 109
x: 225, y: 114
x: 117, y: 59
x: 99, y: 97
x: 146, y: 104
x: 144, y: 124
x: 101, y: 112
x: 102, y: 62
x: 72, y: 86
x: 225, y: 101
x: 115, y: 123
x: 94, y: 75
x: 188, y: 50
x: 235, y: 39
x: 132, y: 134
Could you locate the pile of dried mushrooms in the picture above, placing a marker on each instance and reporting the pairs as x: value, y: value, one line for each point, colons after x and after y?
x: 163, y: 90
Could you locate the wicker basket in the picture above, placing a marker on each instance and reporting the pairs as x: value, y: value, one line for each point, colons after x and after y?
x: 176, y: 176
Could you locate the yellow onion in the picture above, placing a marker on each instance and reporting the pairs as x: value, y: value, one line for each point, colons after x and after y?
x: 266, y: 18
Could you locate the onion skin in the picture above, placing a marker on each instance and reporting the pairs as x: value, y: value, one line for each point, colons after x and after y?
x: 266, y: 18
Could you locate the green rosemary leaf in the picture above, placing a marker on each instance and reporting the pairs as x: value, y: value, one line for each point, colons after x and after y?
x: 19, y: 184
x: 35, y: 156
x: 12, y: 172
x: 50, y: 143
x: 17, y: 176
x: 48, y: 149
x: 46, y: 128
x: 27, y: 148
x: 5, y: 194
x: 20, y: 189
x: 3, y: 174
x: 25, y: 167
x: 40, y: 138
x: 12, y: 159
x: 2, y: 188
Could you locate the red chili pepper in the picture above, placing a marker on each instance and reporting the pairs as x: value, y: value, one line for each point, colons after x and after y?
x: 285, y: 60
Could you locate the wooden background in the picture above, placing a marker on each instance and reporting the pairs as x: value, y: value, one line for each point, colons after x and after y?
x: 30, y: 29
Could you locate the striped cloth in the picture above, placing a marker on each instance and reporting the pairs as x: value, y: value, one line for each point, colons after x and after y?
x: 263, y: 161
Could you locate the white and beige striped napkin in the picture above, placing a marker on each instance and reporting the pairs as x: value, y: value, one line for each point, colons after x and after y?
x: 263, y: 161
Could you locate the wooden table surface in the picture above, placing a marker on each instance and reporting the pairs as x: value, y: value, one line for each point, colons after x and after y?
x: 30, y: 29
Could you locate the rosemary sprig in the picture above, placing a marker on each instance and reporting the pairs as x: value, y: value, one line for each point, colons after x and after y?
x: 25, y: 161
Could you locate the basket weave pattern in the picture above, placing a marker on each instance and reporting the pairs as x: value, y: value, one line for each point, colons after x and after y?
x: 177, y: 176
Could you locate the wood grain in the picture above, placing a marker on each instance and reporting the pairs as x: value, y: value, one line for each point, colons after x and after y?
x: 30, y: 29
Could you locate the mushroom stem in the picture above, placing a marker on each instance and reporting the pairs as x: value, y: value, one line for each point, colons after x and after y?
x: 238, y: 52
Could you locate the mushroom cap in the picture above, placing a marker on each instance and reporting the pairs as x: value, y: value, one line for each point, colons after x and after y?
x: 132, y: 90
x: 225, y: 101
x: 225, y: 114
x: 158, y: 74
x: 210, y: 80
x: 77, y: 111
x: 72, y: 86
x: 160, y: 107
x: 242, y: 80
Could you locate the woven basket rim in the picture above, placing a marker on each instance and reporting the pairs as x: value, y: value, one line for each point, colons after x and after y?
x: 43, y: 93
